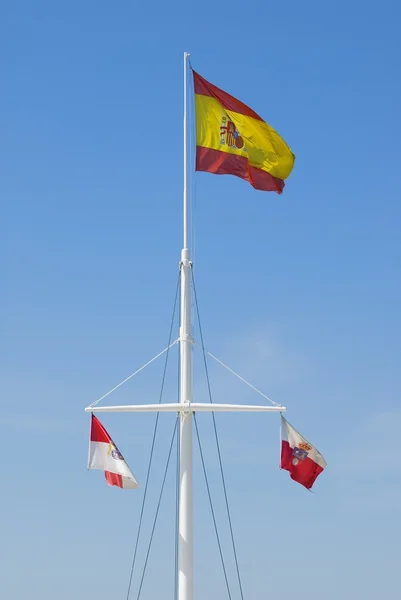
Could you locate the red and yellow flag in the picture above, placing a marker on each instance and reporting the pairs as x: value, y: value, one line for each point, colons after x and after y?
x: 231, y: 139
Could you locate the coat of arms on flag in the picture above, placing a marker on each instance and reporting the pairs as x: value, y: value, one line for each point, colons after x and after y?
x: 104, y: 455
x: 303, y: 461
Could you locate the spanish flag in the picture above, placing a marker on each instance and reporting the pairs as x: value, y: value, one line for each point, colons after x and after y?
x: 231, y: 139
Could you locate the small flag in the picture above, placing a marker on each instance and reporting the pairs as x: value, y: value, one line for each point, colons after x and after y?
x: 104, y: 455
x: 299, y: 457
x: 231, y: 139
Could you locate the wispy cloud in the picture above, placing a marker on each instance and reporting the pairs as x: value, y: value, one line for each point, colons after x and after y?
x: 374, y: 443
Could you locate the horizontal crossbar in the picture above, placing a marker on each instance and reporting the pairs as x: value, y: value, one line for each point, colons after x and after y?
x: 193, y: 407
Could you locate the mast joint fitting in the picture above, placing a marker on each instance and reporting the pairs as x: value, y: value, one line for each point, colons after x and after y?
x: 186, y: 337
x: 186, y: 409
x: 185, y: 263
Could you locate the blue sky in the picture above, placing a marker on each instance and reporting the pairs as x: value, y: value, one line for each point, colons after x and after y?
x: 298, y: 293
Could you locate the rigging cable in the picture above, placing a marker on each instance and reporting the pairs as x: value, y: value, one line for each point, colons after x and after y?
x: 152, y: 445
x: 133, y: 374
x: 217, y: 443
x: 211, y: 507
x: 177, y: 514
x: 177, y: 488
x: 157, y: 509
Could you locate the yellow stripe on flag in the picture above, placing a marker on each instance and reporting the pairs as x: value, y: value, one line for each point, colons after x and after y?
x: 241, y: 135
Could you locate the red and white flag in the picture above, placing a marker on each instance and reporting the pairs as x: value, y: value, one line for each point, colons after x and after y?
x: 104, y: 455
x: 299, y: 457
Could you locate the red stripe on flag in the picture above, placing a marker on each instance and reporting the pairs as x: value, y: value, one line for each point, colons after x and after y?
x: 305, y: 472
x: 223, y: 163
x: 227, y: 101
x: 114, y: 479
x: 98, y: 432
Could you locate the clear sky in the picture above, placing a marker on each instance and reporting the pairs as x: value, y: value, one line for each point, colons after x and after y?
x: 299, y: 293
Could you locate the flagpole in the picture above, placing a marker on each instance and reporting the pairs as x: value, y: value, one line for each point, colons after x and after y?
x: 185, y: 525
x: 186, y: 207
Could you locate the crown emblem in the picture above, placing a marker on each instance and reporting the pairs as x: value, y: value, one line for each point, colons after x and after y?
x: 305, y: 446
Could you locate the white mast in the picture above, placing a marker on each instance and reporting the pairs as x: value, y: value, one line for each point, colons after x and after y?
x: 185, y: 528
x: 186, y: 408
